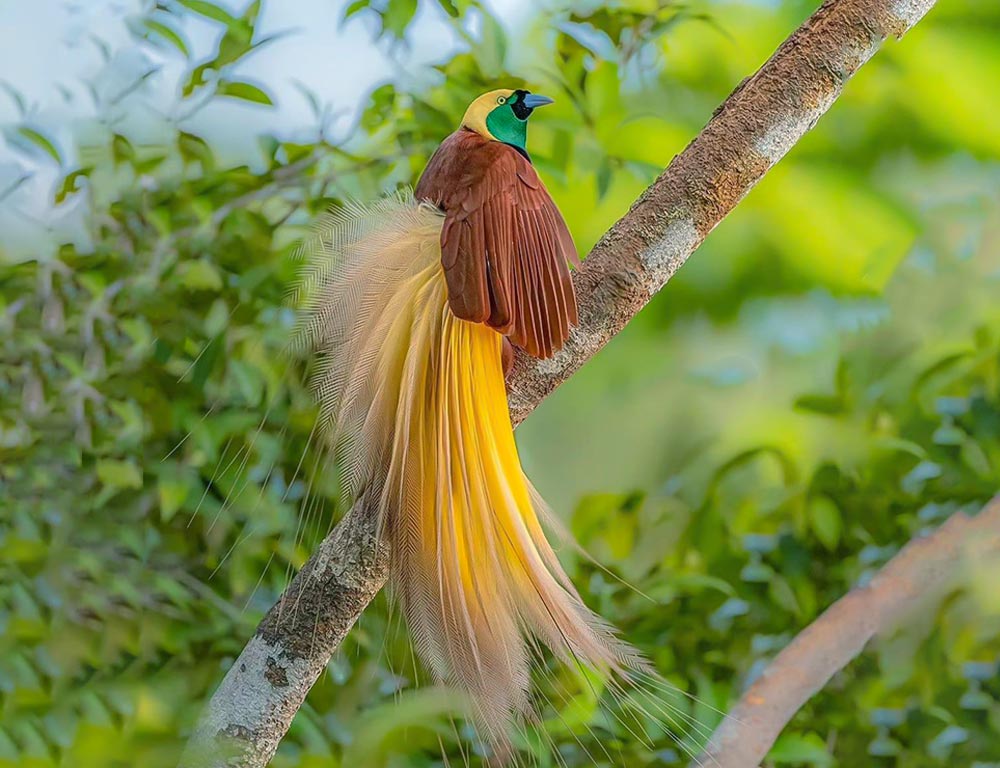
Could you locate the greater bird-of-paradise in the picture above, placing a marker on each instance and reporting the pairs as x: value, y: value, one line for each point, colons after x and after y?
x: 411, y: 304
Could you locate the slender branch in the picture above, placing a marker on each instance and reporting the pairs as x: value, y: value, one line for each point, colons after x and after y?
x: 763, y: 118
x: 921, y: 573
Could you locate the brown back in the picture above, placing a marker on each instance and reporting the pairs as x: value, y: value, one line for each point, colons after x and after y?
x: 505, y: 247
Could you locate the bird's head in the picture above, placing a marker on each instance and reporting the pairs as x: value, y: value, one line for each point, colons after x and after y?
x: 502, y: 115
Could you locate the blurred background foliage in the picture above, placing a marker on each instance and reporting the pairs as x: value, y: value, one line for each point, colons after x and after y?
x: 818, y: 385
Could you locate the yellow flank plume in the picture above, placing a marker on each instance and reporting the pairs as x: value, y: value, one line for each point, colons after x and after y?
x: 413, y: 400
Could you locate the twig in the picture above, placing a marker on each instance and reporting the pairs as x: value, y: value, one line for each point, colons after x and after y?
x: 916, y: 577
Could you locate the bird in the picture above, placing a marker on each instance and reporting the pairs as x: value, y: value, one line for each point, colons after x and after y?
x: 410, y: 307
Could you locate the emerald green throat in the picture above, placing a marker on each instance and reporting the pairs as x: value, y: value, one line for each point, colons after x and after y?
x: 507, y: 127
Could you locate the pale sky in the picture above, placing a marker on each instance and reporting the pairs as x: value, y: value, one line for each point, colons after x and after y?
x: 50, y: 49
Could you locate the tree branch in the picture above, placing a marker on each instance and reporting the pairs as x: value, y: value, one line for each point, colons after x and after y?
x: 253, y: 707
x: 753, y: 129
x: 921, y: 573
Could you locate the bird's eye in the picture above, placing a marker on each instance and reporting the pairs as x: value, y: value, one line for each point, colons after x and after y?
x: 501, y: 100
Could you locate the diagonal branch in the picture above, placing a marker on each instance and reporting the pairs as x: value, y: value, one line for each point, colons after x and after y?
x: 753, y: 129
x: 921, y: 573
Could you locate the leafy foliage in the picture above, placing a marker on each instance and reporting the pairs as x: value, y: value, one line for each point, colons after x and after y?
x: 818, y: 386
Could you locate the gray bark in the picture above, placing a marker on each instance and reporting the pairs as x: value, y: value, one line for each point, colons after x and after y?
x: 253, y: 706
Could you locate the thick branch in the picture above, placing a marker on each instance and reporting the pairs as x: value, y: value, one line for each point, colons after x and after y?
x: 748, y: 134
x: 916, y: 577
x: 760, y: 121
x: 253, y: 707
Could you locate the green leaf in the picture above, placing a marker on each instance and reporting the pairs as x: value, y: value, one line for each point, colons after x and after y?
x: 247, y: 381
x: 696, y: 582
x: 827, y: 405
x: 194, y: 147
x: 782, y: 594
x: 356, y: 7
x: 899, y: 445
x: 825, y: 521
x: 492, y: 49
x: 121, y: 149
x: 590, y: 520
x: 197, y: 78
x: 211, y: 11
x: 744, y: 458
x: 843, y: 377
x: 975, y: 458
x: 173, y: 491
x: 69, y: 184
x: 40, y: 141
x: 118, y: 475
x: 169, y: 34
x: 9, y: 750
x: 450, y: 8
x: 236, y: 43
x: 797, y: 748
x: 244, y: 91
x: 206, y: 362
x: 250, y: 14
x: 942, y: 365
x: 200, y: 275
x: 397, y: 17
x: 605, y: 174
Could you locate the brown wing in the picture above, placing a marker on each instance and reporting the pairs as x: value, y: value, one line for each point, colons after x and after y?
x: 505, y: 248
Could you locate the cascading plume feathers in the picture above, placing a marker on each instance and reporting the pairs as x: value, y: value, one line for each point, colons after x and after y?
x: 407, y: 306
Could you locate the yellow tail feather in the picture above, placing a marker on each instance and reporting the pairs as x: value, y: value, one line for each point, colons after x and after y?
x: 413, y: 400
